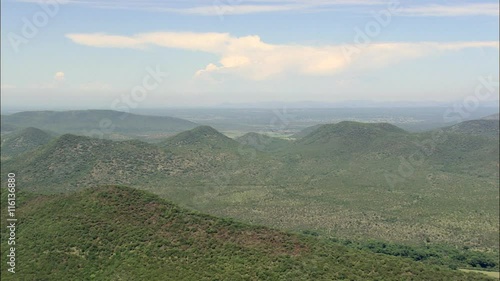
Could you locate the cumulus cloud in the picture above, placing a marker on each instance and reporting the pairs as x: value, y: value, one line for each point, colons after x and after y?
x: 59, y: 76
x: 252, y: 58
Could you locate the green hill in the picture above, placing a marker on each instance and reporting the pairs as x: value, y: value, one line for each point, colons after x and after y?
x: 353, y: 131
x: 24, y: 140
x: 492, y: 117
x: 97, y: 123
x: 306, y: 131
x: 5, y: 127
x: 119, y: 233
x: 263, y: 142
x: 72, y: 162
x: 205, y: 136
x: 485, y: 127
x: 351, y: 181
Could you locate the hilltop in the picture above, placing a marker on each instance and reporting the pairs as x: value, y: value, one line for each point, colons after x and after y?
x: 71, y: 162
x: 200, y: 136
x: 492, y: 117
x: 488, y: 126
x: 120, y: 233
x: 24, y: 140
x: 306, y: 131
x: 97, y: 123
x: 352, y: 130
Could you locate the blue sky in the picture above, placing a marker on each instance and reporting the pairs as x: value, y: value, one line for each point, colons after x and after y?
x: 91, y: 53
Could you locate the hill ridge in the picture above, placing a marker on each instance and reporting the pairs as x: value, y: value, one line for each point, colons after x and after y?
x: 110, y: 232
x: 350, y: 130
x: 96, y: 122
x: 201, y: 135
x: 23, y: 140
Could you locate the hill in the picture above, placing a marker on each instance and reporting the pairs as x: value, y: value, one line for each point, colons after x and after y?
x: 263, y: 142
x: 487, y: 126
x: 23, y: 140
x: 306, y: 131
x: 348, y: 139
x: 414, y: 189
x: 5, y: 127
x: 72, y: 162
x: 97, y: 123
x: 205, y: 136
x: 492, y: 117
x: 354, y: 131
x: 119, y: 233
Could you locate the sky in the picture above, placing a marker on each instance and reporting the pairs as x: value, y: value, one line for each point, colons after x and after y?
x: 150, y: 53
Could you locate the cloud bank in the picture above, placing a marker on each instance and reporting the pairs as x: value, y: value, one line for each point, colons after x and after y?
x: 252, y: 58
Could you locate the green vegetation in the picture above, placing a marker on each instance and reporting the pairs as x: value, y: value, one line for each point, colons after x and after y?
x: 495, y: 275
x: 98, y: 123
x: 304, y: 132
x: 486, y: 127
x: 429, y: 196
x: 120, y: 233
x: 263, y: 142
x: 453, y: 257
x: 23, y: 140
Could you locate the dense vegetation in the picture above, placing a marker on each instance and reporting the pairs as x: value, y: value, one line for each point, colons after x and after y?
x: 453, y: 257
x: 23, y: 140
x: 486, y: 127
x: 431, y: 196
x: 263, y: 142
x: 120, y: 233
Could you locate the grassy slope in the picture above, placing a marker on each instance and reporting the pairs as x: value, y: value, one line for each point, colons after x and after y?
x: 119, y: 233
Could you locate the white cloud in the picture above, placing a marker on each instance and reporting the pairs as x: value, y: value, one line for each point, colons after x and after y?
x: 474, y: 9
x: 59, y: 76
x: 238, y: 7
x: 252, y: 58
x: 104, y: 40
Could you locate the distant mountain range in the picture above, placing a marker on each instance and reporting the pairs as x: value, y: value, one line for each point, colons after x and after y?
x: 346, y: 104
x: 96, y: 123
